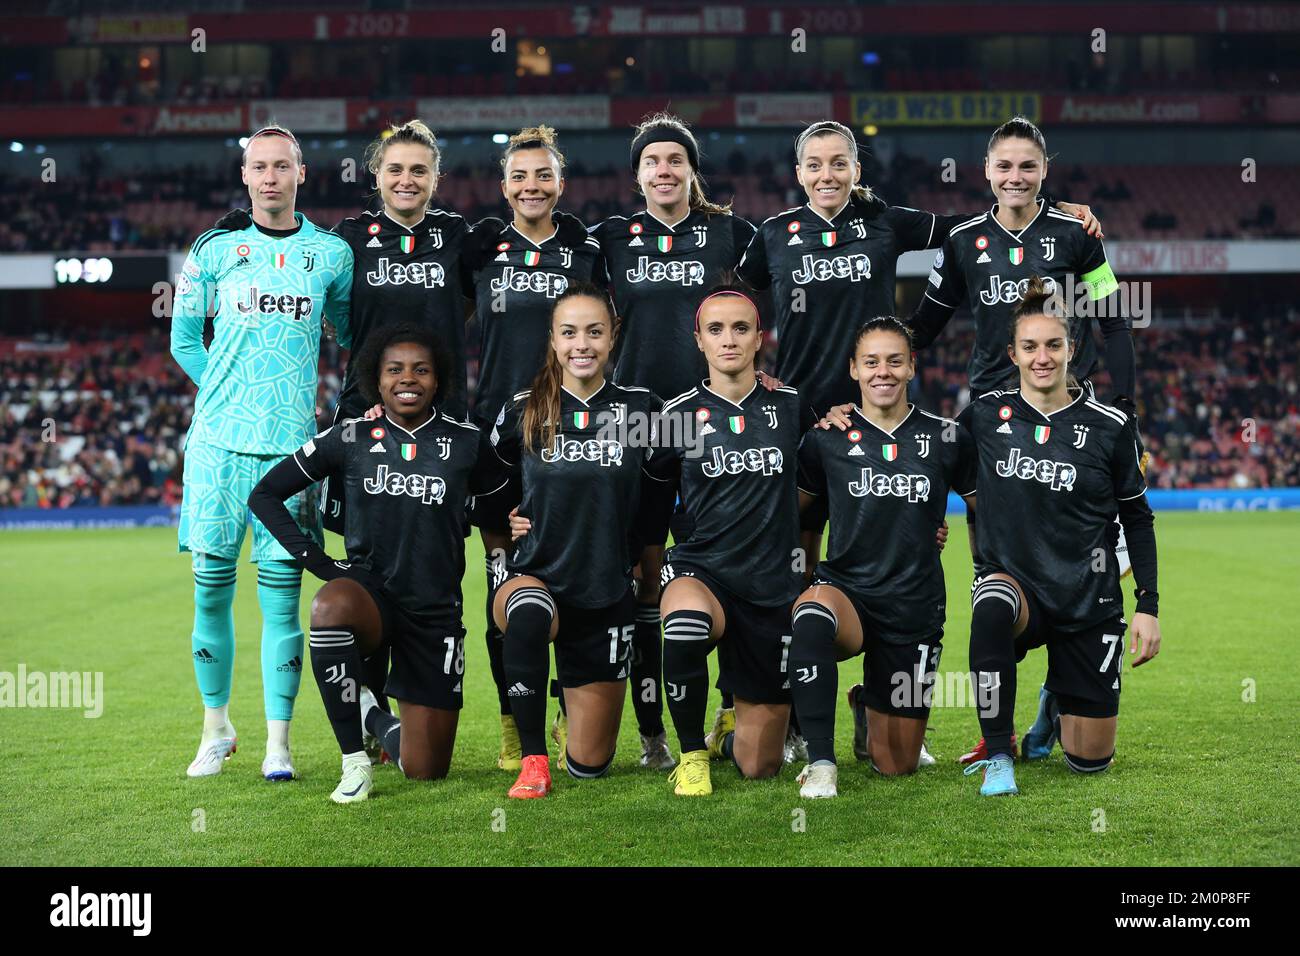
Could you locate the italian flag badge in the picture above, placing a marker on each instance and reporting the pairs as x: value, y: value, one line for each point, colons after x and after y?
x: 277, y: 259
x: 828, y: 238
x: 1042, y: 433
x: 532, y: 258
x: 408, y: 452
x: 580, y: 419
x: 408, y: 244
x: 665, y: 243
x: 1016, y: 255
x: 889, y: 451
x: 736, y: 423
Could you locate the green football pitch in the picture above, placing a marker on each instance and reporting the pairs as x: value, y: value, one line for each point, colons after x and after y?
x: 1207, y: 770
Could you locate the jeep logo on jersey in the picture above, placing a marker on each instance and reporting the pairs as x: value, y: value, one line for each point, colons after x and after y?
x: 427, y: 274
x: 765, y: 460
x: 1010, y: 291
x: 602, y: 451
x: 687, y: 271
x: 1058, y: 474
x: 299, y: 306
x: 550, y: 283
x: 427, y: 488
x: 912, y: 487
x: 853, y: 268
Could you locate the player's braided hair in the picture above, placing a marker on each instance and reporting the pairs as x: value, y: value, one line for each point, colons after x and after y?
x: 542, y: 407
x: 412, y: 131
x: 1042, y: 298
x: 533, y: 137
x: 369, y: 359
x: 882, y: 323
x: 697, y: 200
x: 832, y: 128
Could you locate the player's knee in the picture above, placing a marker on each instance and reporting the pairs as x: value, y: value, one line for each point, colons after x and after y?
x: 423, y: 767
x: 894, y: 765
x: 581, y: 771
x: 1087, y: 764
x: 758, y: 766
x: 334, y: 603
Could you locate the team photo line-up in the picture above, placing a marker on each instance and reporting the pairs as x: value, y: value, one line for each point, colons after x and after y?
x: 617, y: 401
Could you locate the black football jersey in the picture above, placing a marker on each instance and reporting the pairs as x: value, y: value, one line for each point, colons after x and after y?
x: 515, y: 284
x: 887, y: 494
x: 408, y: 274
x: 827, y: 277
x: 986, y: 268
x: 405, y: 494
x: 1048, y: 488
x: 741, y: 490
x: 581, y: 494
x: 658, y: 275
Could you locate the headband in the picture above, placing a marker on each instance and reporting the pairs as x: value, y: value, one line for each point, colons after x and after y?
x: 664, y: 133
x: 758, y: 317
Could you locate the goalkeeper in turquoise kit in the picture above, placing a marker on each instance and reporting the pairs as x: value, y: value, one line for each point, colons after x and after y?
x: 269, y: 284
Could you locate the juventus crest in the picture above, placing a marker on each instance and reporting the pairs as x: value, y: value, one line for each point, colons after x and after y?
x: 1080, y: 435
x: 436, y: 236
x: 858, y: 228
x: 1049, y: 247
x: 770, y: 412
x: 701, y: 235
x: 923, y: 441
x: 566, y: 257
x: 444, y: 448
x: 309, y: 261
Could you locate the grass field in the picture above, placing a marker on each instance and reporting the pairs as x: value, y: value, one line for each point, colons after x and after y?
x: 1202, y: 775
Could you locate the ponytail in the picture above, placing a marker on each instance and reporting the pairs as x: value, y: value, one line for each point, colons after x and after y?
x: 832, y: 128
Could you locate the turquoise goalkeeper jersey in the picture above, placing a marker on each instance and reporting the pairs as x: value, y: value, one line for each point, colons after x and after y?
x: 269, y: 294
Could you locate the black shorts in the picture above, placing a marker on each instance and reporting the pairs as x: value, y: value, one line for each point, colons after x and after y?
x: 491, y: 512
x: 1083, y: 667
x: 754, y: 651
x: 593, y: 645
x: 897, y: 678
x: 813, y: 518
x: 428, y: 657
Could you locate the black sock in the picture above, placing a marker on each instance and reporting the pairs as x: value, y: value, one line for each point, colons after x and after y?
x: 647, y: 671
x: 529, y: 613
x: 686, y: 674
x: 336, y: 663
x: 382, y: 724
x: 728, y: 748
x: 995, y: 605
x: 495, y: 647
x: 374, y: 674
x: 814, y: 677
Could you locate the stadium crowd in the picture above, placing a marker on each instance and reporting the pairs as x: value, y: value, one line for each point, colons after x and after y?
x: 1219, y: 408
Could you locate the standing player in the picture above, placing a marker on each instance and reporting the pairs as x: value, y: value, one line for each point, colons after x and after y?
x: 405, y: 477
x: 986, y: 263
x: 661, y: 263
x: 829, y: 263
x: 569, y: 581
x: 516, y: 273
x: 272, y: 282
x: 730, y: 583
x: 1055, y: 469
x: 880, y: 591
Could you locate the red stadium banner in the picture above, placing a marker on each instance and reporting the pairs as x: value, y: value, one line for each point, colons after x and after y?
x: 1147, y: 108
x: 696, y: 110
x: 513, y: 112
x: 315, y: 116
x: 783, y: 109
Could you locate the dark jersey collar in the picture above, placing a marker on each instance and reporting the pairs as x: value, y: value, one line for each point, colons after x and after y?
x: 911, y: 410
x: 992, y: 215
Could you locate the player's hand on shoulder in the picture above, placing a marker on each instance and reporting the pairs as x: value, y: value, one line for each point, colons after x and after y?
x: 519, y: 525
x: 837, y: 416
x: 1091, y: 224
x: 1144, y: 636
x: 373, y: 412
x: 770, y: 382
x: 235, y: 219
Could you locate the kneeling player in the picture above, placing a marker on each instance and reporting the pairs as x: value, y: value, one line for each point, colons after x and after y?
x: 569, y: 579
x: 405, y: 477
x: 1055, y: 468
x: 880, y: 592
x: 730, y: 583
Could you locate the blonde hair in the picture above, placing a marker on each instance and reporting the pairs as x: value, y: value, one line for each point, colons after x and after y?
x: 274, y: 130
x: 832, y: 128
x: 696, y: 199
x: 412, y: 131
x: 534, y: 137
